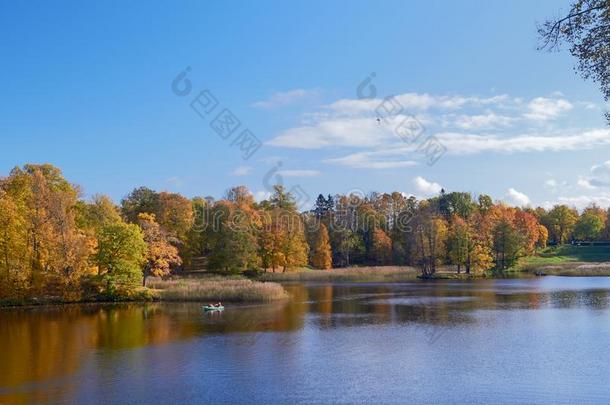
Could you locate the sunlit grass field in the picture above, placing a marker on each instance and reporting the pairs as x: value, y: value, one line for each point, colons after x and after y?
x: 568, y: 260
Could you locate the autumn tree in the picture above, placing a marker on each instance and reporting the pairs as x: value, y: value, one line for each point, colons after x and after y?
x: 56, y: 250
x: 161, y: 255
x: 13, y: 242
x: 232, y: 237
x: 321, y: 255
x: 460, y: 243
x: 527, y: 227
x: 382, y: 247
x: 282, y: 236
x: 543, y: 236
x: 429, y: 238
x: 175, y: 214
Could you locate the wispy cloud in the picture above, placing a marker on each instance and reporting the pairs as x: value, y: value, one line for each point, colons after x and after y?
x: 416, y: 101
x: 175, y: 181
x: 356, y: 132
x: 283, y: 98
x: 468, y: 144
x: 373, y: 160
x: 241, y: 171
x: 481, y: 121
x: 542, y: 108
x: 464, y: 125
x: 556, y: 185
x: 298, y: 173
x: 460, y: 143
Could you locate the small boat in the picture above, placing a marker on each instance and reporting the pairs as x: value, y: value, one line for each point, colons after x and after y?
x: 213, y: 308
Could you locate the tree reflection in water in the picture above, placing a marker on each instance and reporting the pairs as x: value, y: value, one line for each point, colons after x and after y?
x: 44, y: 349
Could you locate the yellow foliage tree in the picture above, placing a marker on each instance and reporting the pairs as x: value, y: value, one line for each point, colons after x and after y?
x: 321, y: 255
x: 382, y: 247
x: 161, y: 255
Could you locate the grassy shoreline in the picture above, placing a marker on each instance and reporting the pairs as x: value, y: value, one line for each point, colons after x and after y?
x: 352, y: 274
x: 210, y: 288
x: 566, y: 260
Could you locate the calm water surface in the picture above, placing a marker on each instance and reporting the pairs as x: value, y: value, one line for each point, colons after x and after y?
x: 542, y: 340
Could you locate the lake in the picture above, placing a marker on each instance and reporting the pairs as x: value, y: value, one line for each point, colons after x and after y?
x: 536, y: 340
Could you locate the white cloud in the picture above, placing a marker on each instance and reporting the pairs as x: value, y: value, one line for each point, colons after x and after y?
x: 556, y: 186
x: 589, y: 105
x: 426, y: 187
x: 599, y: 177
x: 241, y: 171
x: 298, y: 173
x: 469, y: 144
x: 459, y: 143
x: 552, y: 183
x: 354, y: 123
x: 356, y: 132
x: 584, y: 183
x: 372, y: 160
x: 517, y: 198
x: 415, y: 101
x: 542, y: 108
x: 481, y: 121
x: 261, y: 195
x: 583, y: 201
x: 279, y: 99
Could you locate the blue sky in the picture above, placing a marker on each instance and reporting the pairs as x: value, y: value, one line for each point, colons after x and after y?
x: 87, y: 87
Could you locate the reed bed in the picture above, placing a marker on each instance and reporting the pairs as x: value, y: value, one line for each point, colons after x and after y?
x: 355, y: 274
x: 216, y: 289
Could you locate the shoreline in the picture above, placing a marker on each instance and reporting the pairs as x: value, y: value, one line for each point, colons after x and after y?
x: 271, y: 283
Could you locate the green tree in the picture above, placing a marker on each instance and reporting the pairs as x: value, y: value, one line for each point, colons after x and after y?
x: 429, y: 238
x: 590, y: 224
x: 100, y: 211
x: 460, y: 243
x: 586, y: 29
x: 121, y: 253
x: 561, y: 222
x: 140, y: 200
x: 232, y: 237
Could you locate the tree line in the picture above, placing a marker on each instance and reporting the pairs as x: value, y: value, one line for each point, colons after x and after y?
x: 54, y: 243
